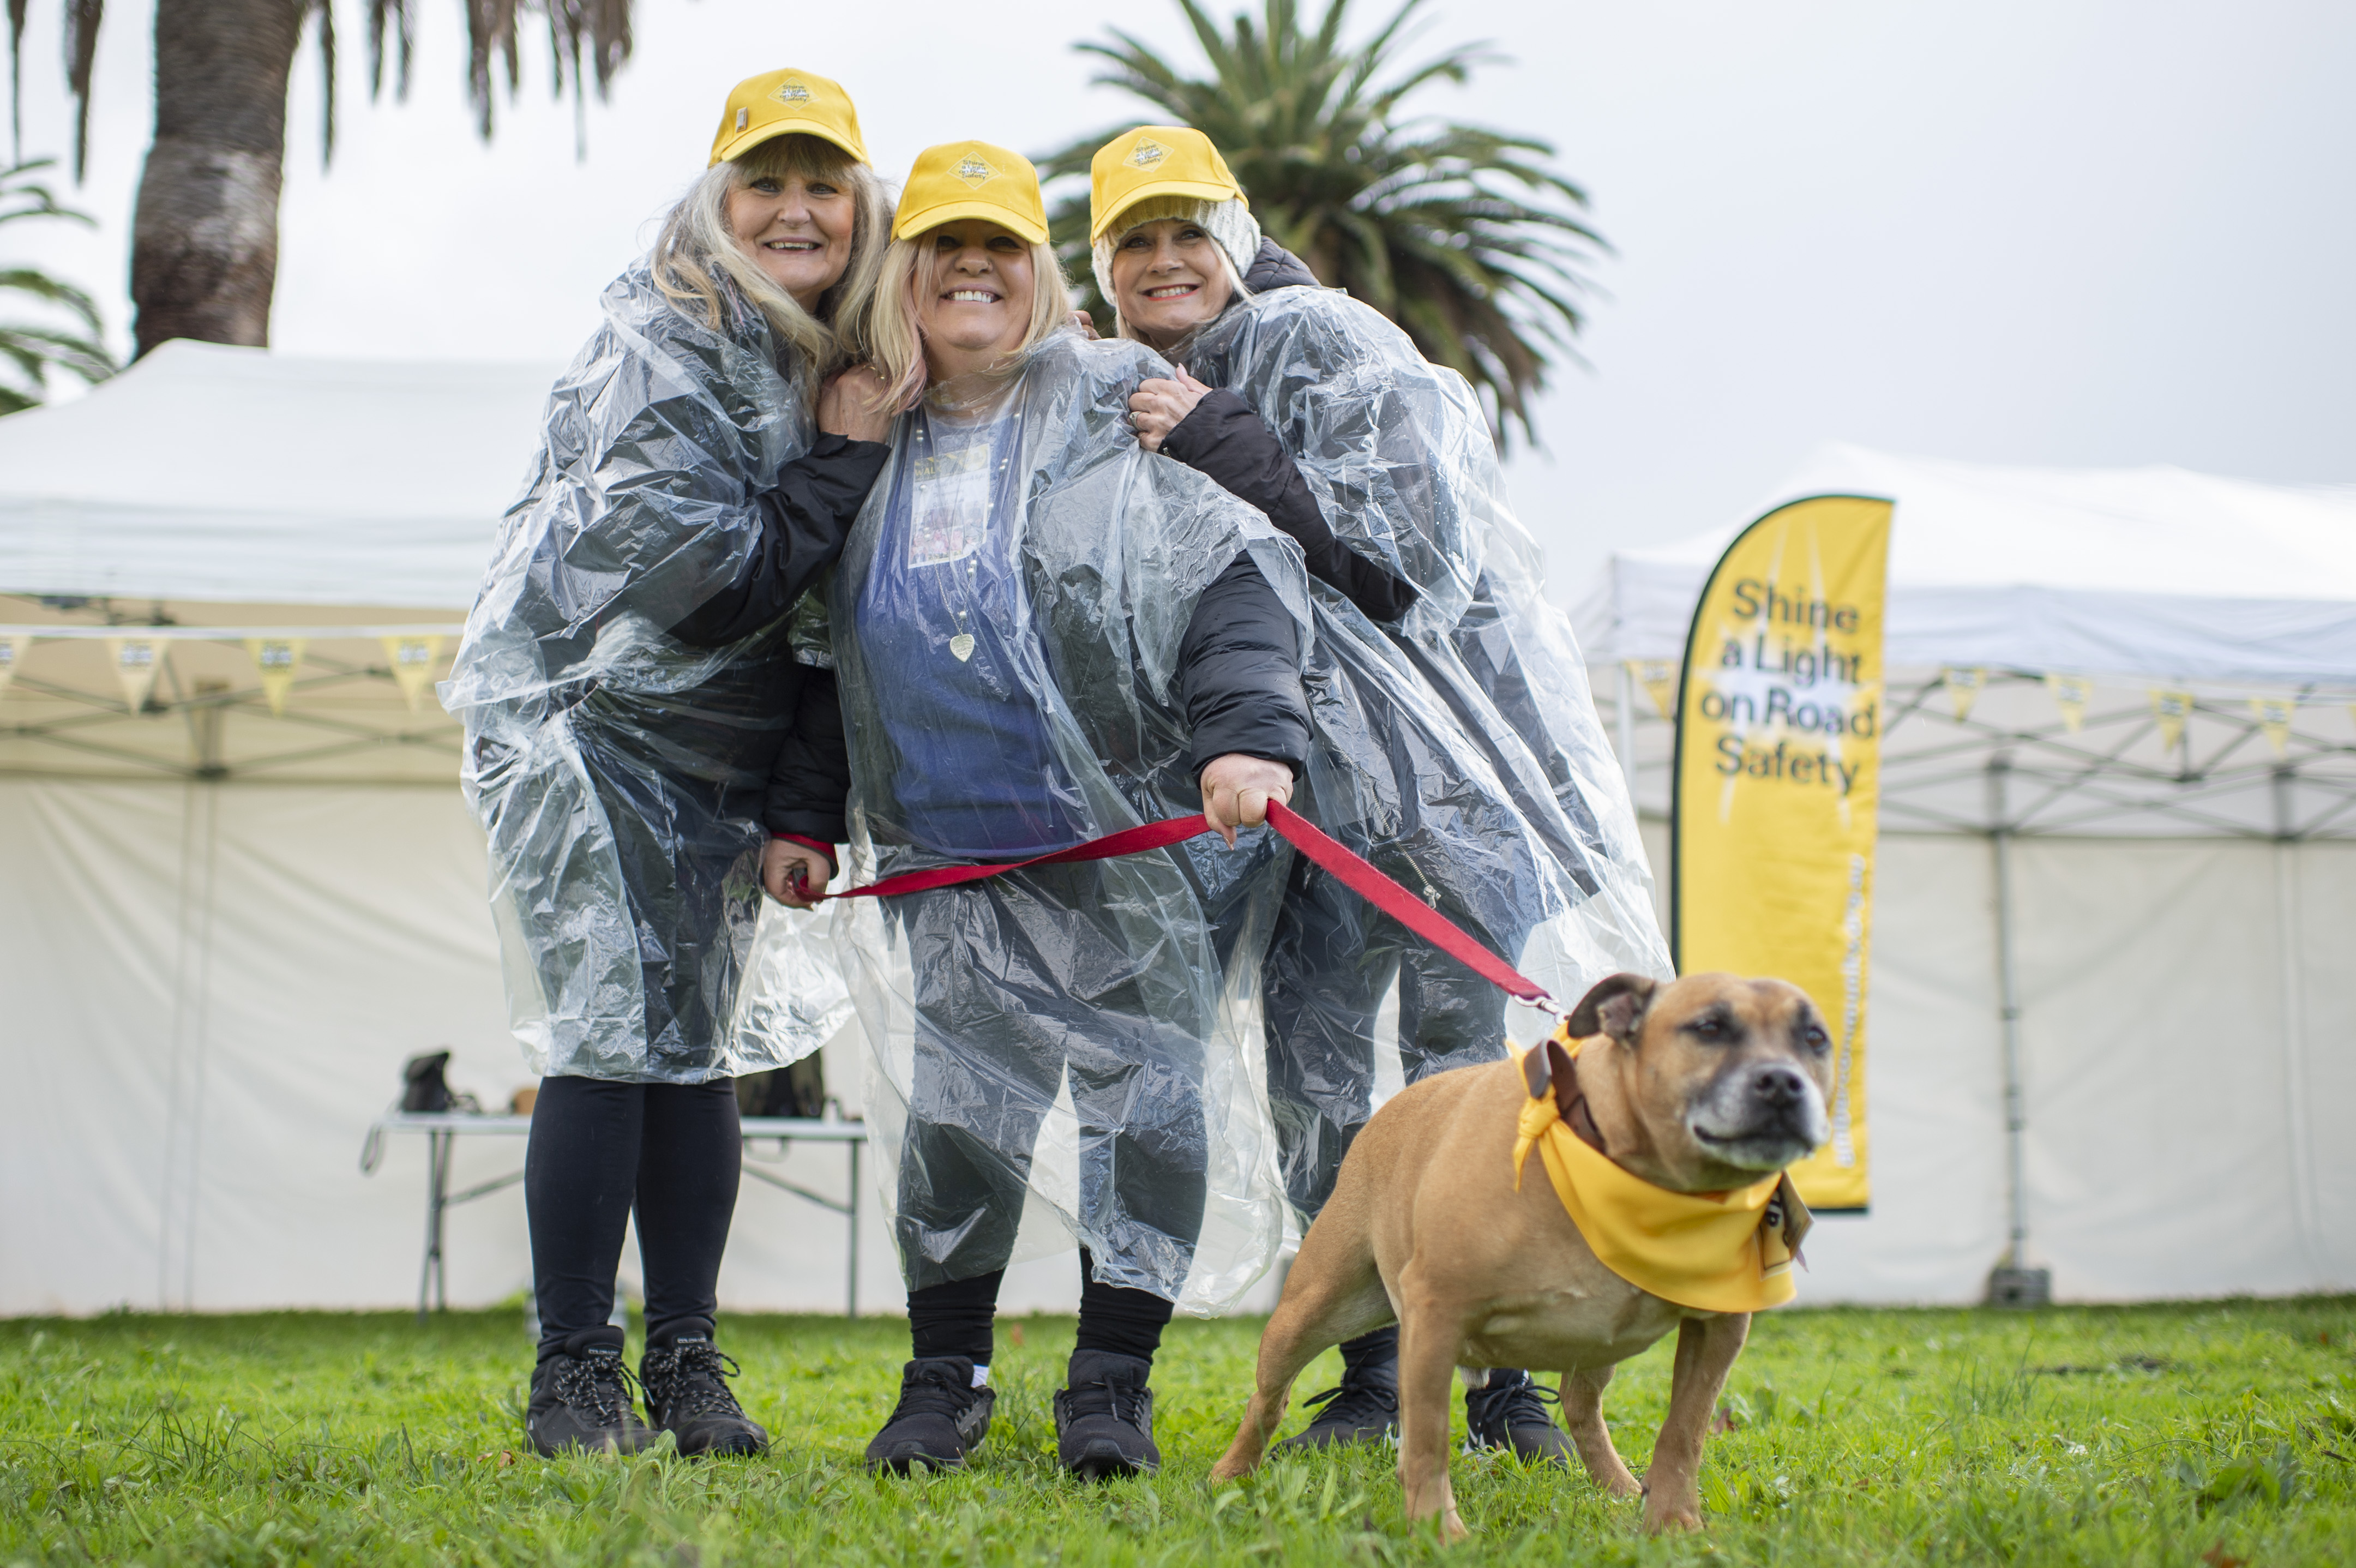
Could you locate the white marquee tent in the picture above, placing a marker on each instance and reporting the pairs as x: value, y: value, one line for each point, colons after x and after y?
x: 243, y: 888
x: 2114, y: 1013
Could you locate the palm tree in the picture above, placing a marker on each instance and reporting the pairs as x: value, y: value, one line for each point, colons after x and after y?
x: 30, y: 351
x: 204, y: 243
x: 1460, y: 234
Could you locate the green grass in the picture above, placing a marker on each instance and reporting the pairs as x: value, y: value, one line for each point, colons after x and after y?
x: 2190, y: 1435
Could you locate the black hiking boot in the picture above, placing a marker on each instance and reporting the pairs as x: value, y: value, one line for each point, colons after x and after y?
x: 1363, y: 1409
x: 1104, y: 1417
x: 581, y: 1399
x: 940, y: 1418
x: 1510, y: 1414
x: 687, y: 1395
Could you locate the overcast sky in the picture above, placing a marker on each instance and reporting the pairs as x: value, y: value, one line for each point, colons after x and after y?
x: 2074, y: 232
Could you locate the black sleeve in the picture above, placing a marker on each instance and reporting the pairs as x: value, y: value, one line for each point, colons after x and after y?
x: 1240, y: 672
x: 804, y: 521
x: 1226, y: 439
x: 810, y: 780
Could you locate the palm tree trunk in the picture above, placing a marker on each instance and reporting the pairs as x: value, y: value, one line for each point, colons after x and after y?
x: 204, y: 242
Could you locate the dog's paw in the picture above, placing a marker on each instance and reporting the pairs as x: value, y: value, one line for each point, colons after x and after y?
x: 1671, y: 1518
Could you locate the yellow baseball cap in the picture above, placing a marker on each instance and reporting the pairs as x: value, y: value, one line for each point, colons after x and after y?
x: 971, y: 179
x: 1155, y: 160
x: 784, y: 104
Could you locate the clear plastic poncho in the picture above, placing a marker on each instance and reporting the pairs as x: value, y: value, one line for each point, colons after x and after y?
x: 617, y: 770
x: 1459, y: 750
x: 1063, y: 1052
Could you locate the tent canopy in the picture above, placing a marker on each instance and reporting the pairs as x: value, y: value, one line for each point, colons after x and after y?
x: 2136, y: 652
x: 275, y: 553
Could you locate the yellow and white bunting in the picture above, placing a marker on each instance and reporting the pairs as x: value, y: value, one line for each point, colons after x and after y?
x: 135, y: 661
x: 1964, y: 689
x: 2071, y: 695
x: 280, y: 660
x: 2169, y: 710
x: 1778, y: 781
x: 2274, y: 717
x: 413, y: 660
x: 1659, y: 679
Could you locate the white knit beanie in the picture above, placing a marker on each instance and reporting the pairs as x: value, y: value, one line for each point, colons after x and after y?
x: 1229, y: 222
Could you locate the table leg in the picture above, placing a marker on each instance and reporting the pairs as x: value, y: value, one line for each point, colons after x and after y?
x: 431, y: 1282
x: 850, y: 1272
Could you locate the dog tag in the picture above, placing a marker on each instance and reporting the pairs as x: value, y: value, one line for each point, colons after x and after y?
x: 962, y: 646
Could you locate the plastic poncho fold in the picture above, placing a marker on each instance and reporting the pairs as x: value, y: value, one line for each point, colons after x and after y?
x: 1112, y: 549
x: 616, y: 770
x: 1492, y: 772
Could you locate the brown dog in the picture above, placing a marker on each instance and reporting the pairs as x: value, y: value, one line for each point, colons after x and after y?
x: 1707, y: 1084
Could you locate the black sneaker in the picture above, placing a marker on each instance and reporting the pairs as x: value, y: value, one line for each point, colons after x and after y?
x: 581, y: 1399
x: 1104, y: 1417
x: 686, y: 1396
x: 1363, y: 1409
x: 941, y: 1417
x: 1510, y: 1414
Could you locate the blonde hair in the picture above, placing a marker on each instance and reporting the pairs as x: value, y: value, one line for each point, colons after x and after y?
x: 697, y: 247
x: 891, y: 332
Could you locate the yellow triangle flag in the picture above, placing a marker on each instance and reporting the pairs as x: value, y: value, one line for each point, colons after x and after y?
x: 413, y: 659
x: 2071, y: 695
x: 12, y: 656
x: 2274, y: 717
x: 1964, y: 688
x: 2171, y: 709
x: 1659, y: 679
x: 135, y: 661
x: 280, y: 660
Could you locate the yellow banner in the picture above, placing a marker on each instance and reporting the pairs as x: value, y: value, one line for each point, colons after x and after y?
x: 1778, y: 782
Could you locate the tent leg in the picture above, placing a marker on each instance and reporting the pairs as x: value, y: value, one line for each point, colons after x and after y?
x: 2287, y: 935
x: 2012, y: 1283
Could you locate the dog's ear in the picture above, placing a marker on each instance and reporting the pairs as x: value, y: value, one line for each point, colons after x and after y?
x: 1615, y: 1008
x: 1562, y: 1075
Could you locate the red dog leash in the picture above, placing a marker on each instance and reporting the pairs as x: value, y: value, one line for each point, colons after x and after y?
x: 1298, y: 831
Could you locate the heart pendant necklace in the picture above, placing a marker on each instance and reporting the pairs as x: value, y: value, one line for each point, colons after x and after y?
x: 962, y: 646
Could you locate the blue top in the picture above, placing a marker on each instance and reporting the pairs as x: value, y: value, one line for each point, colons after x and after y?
x: 944, y: 624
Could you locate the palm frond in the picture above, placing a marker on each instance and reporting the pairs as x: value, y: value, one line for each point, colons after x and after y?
x: 35, y: 349
x: 1466, y: 236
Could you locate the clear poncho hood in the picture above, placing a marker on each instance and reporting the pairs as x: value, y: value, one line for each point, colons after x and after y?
x: 1112, y: 549
x: 616, y: 770
x: 1489, y: 770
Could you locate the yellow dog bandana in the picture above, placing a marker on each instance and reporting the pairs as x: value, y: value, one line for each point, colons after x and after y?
x: 1729, y: 1252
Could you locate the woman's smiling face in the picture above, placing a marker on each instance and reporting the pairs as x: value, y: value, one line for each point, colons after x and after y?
x: 1167, y: 280
x: 974, y: 290
x: 797, y: 229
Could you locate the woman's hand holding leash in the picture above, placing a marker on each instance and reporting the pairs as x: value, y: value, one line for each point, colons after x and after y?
x: 796, y: 875
x: 1236, y: 789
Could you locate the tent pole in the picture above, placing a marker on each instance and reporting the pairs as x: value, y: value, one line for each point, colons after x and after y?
x: 1626, y: 720
x: 2287, y: 936
x: 2011, y: 1282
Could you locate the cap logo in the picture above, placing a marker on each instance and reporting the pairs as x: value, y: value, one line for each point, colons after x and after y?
x: 1146, y: 153
x: 792, y: 94
x: 974, y: 171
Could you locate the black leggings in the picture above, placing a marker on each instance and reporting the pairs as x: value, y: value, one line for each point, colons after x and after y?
x: 597, y: 1148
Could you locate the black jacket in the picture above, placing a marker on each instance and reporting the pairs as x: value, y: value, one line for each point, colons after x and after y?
x: 1226, y: 439
x: 1239, y: 684
x: 804, y: 522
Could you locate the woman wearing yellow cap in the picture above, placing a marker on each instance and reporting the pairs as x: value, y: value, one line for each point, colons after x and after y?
x: 1042, y: 634
x: 625, y: 678
x: 1456, y: 745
